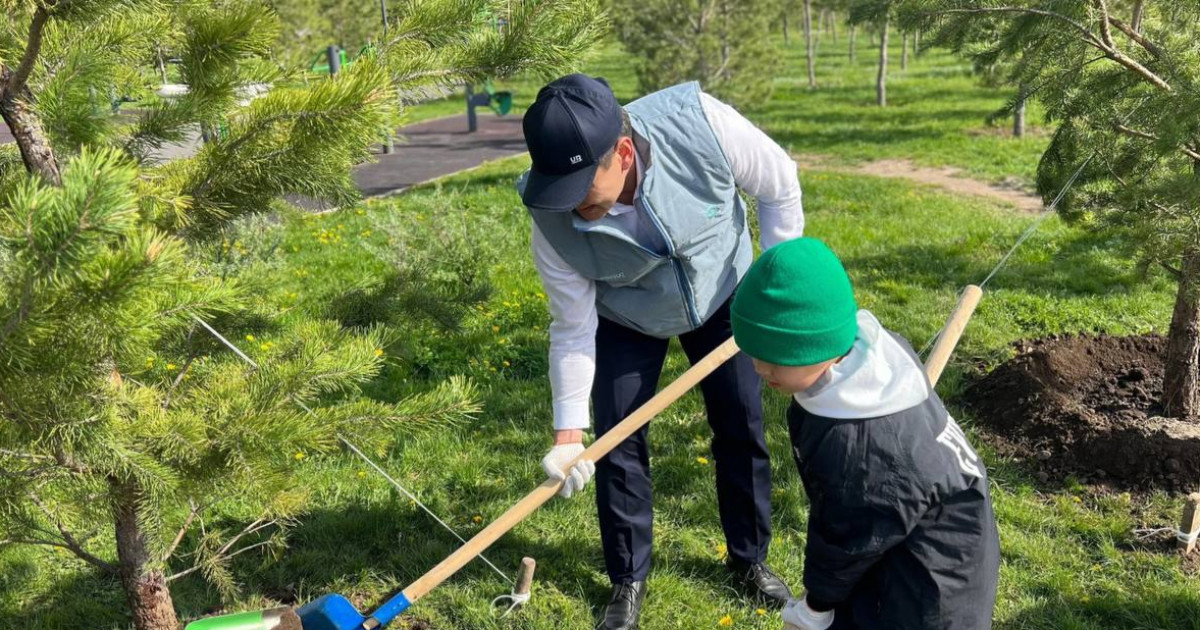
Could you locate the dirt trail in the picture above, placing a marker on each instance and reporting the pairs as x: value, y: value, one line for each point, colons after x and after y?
x: 948, y: 178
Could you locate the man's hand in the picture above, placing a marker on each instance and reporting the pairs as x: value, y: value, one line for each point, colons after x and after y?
x: 798, y: 616
x: 567, y: 446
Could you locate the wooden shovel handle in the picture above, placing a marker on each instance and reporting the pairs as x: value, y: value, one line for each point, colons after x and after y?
x: 952, y: 332
x: 549, y: 487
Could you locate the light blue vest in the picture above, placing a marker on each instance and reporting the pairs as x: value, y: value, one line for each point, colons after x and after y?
x: 688, y: 193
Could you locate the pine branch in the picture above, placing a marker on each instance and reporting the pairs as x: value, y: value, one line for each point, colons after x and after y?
x: 1133, y: 34
x: 187, y: 524
x: 16, y: 82
x: 1103, y: 42
x: 223, y: 554
x: 1188, y: 151
x: 69, y: 541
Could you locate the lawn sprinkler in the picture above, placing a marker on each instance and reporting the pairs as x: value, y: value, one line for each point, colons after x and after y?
x: 335, y: 612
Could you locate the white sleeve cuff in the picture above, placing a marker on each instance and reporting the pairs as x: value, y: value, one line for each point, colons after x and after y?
x: 572, y: 414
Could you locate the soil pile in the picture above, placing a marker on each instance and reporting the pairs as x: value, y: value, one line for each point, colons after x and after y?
x: 1088, y: 406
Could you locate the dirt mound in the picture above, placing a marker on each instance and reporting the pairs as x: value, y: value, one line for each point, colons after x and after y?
x: 1088, y: 406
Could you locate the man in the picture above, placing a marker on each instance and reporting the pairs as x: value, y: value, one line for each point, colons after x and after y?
x: 639, y: 235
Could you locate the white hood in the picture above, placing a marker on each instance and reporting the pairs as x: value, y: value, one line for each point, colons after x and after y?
x: 877, y: 378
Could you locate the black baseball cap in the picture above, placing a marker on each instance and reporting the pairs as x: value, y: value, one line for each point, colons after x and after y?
x: 572, y: 124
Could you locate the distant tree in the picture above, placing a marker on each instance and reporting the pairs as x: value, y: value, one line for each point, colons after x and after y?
x: 878, y: 13
x: 721, y: 43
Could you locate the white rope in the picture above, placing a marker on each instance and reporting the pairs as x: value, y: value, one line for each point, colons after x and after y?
x: 354, y: 448
x: 1050, y: 211
x: 1187, y: 538
x: 517, y: 600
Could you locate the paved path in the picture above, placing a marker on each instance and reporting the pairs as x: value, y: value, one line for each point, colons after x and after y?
x: 437, y: 148
x: 424, y: 151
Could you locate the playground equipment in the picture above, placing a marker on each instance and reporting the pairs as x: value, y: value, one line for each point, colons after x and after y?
x: 499, y: 101
x: 335, y: 612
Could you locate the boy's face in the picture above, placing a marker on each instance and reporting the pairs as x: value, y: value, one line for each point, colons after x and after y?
x: 791, y: 378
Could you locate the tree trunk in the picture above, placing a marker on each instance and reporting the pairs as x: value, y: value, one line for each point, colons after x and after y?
x: 1182, y: 374
x: 904, y: 52
x: 1019, y: 115
x: 881, y: 80
x: 1138, y: 10
x: 833, y: 26
x: 808, y: 38
x: 917, y: 43
x: 31, y: 138
x: 853, y: 42
x: 145, y: 584
x: 787, y: 40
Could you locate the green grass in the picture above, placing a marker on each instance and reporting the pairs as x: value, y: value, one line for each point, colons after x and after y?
x: 1072, y: 558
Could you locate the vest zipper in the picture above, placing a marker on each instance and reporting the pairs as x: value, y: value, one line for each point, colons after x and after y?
x: 689, y: 302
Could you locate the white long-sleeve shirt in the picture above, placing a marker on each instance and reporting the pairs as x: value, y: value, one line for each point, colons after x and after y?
x: 760, y: 167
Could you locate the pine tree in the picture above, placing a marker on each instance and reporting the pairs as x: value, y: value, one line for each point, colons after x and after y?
x: 723, y: 44
x: 1120, y: 78
x: 120, y: 413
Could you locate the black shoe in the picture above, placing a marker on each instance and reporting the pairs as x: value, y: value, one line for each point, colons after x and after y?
x: 625, y: 606
x: 761, y: 583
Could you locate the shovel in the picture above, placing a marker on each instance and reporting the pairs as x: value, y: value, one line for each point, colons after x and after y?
x: 335, y: 612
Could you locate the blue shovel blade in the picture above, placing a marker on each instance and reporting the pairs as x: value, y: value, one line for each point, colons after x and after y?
x: 330, y: 612
x: 334, y: 612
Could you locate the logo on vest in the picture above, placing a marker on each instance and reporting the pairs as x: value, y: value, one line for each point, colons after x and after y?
x: 575, y: 159
x: 712, y: 212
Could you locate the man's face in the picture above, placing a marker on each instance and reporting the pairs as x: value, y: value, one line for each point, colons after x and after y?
x: 608, y: 183
x: 791, y: 378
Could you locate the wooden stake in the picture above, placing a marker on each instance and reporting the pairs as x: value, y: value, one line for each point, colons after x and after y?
x: 525, y: 576
x: 1190, y: 523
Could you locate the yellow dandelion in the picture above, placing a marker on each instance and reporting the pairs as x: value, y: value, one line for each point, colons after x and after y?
x: 249, y: 337
x: 493, y: 369
x: 761, y: 611
x: 507, y: 364
x: 503, y: 341
x: 378, y: 352
x: 725, y: 621
x: 299, y: 455
x: 477, y: 518
x: 362, y: 474
x: 170, y: 367
x: 703, y: 461
x: 495, y: 329
x: 264, y: 346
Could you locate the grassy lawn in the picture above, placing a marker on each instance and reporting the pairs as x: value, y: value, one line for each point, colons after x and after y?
x: 1072, y: 557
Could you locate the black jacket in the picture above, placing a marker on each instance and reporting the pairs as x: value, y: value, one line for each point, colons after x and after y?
x: 901, y: 532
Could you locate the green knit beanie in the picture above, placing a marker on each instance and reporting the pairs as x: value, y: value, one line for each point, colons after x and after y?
x: 795, y: 306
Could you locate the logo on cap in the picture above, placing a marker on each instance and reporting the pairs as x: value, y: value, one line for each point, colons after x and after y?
x: 575, y: 159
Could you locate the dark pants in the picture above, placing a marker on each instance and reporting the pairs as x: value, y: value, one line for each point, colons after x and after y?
x: 628, y: 365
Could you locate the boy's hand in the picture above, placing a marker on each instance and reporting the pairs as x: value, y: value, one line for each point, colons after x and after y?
x: 568, y: 446
x: 798, y: 616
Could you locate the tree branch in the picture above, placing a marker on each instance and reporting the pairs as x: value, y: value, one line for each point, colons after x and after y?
x: 1137, y: 37
x: 1087, y: 33
x: 1188, y: 151
x: 187, y: 524
x: 69, y: 541
x: 16, y: 82
x: 1101, y: 43
x: 239, y: 552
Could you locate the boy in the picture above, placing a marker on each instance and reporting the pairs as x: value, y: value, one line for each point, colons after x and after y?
x: 901, y: 532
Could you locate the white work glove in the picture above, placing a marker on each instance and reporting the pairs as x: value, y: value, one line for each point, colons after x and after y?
x: 798, y: 616
x: 577, y: 477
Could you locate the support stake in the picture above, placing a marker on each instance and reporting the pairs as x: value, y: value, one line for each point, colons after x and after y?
x: 1189, y: 525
